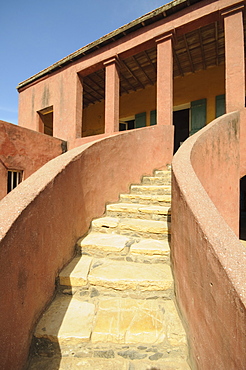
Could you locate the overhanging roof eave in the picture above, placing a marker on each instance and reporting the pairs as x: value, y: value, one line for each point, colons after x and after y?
x: 150, y: 17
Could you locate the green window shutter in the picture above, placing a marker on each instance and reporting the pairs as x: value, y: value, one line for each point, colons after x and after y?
x: 198, y: 115
x: 220, y: 105
x: 140, y: 120
x: 153, y: 117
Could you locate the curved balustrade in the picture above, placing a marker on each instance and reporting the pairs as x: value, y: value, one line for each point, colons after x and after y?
x: 208, y: 259
x: 44, y: 216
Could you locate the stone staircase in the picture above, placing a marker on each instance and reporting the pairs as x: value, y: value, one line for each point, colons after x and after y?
x: 115, y: 306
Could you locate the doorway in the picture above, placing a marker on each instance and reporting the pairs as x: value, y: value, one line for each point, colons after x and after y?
x: 181, y: 122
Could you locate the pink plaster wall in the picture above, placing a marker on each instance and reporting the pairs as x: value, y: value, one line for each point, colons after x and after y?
x: 208, y: 259
x: 45, y: 215
x: 23, y: 149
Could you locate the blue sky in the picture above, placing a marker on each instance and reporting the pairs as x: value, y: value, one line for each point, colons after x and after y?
x: 35, y: 34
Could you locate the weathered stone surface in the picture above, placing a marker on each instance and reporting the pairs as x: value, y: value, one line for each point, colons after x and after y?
x: 104, y: 354
x: 151, y: 247
x: 126, y: 275
x: 156, y: 180
x: 111, y: 222
x: 73, y: 363
x: 126, y: 320
x: 174, y: 328
x: 132, y: 355
x: 76, y: 272
x: 143, y: 198
x: 67, y: 321
x: 162, y: 364
x: 146, y: 226
x: 162, y: 173
x: 104, y: 242
x: 151, y: 189
x: 156, y: 356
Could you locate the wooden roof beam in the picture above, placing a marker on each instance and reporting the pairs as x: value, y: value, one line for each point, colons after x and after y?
x: 100, y: 87
x: 178, y: 63
x: 216, y: 31
x: 94, y: 90
x: 202, y: 49
x: 139, y: 66
x: 150, y: 61
x: 127, y: 81
x: 189, y: 54
x: 133, y: 75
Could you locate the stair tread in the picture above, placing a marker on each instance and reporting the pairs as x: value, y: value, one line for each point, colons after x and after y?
x: 76, y: 363
x: 67, y: 319
x: 131, y: 207
x: 104, y: 242
x: 76, y: 272
x: 122, y: 275
x: 133, y: 224
x: 154, y: 197
x: 151, y: 247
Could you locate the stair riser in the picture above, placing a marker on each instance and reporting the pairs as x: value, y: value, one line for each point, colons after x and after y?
x: 132, y: 233
x: 139, y: 215
x: 145, y: 189
x: 126, y: 256
x: 137, y: 199
x: 156, y: 181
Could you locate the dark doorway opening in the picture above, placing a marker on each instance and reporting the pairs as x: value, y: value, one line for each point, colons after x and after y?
x: 242, y: 229
x: 181, y: 127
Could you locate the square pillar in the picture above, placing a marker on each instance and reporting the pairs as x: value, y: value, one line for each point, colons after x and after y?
x: 68, y: 106
x: 164, y: 92
x: 112, y: 95
x: 234, y: 58
x: 79, y: 106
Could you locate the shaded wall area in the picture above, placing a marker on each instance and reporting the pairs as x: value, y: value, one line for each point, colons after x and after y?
x: 46, y: 214
x: 24, y: 150
x: 208, y: 258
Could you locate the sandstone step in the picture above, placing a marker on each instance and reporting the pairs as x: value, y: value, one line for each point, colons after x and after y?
x: 121, y: 275
x: 131, y: 226
x: 149, y: 212
x: 162, y: 173
x: 151, y: 189
x: 96, y: 363
x: 151, y: 247
x: 164, y: 200
x: 156, y: 180
x: 76, y: 272
x: 109, y: 243
x: 67, y: 320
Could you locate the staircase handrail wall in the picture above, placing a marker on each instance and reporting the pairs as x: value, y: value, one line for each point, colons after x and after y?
x: 208, y: 259
x: 44, y: 216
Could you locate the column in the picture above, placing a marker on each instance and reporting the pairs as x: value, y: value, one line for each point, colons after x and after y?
x: 234, y: 58
x: 164, y: 92
x: 112, y: 95
x: 79, y: 107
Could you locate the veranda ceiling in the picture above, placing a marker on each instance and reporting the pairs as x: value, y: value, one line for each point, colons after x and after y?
x: 194, y: 51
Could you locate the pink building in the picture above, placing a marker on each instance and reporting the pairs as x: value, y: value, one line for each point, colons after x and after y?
x: 168, y: 74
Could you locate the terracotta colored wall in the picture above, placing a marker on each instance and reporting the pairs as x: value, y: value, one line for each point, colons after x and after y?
x: 208, y: 259
x: 44, y: 216
x: 26, y: 150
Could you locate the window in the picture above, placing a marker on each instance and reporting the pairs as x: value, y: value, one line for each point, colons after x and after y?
x: 46, y: 121
x: 14, y: 178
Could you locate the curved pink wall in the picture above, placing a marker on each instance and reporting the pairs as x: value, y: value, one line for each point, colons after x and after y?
x: 44, y: 216
x: 26, y: 150
x: 208, y: 259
